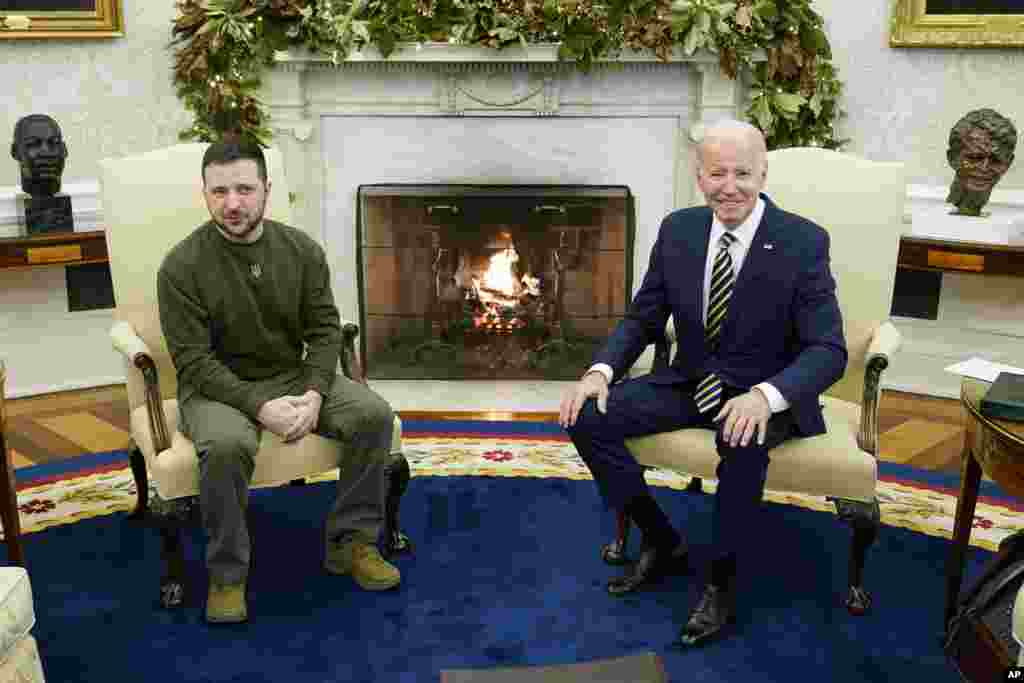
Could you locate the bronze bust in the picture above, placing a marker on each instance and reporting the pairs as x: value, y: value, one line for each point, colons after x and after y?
x: 40, y: 150
x: 981, y: 148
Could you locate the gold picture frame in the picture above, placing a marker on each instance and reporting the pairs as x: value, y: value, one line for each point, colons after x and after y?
x: 914, y: 24
x: 54, y: 19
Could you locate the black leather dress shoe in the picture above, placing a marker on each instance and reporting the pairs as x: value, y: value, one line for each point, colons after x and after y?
x: 652, y: 565
x: 715, y: 609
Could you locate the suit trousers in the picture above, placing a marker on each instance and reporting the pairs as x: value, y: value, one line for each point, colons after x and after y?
x: 227, y: 441
x: 637, y: 407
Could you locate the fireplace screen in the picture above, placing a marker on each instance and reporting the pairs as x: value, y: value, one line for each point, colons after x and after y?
x: 494, y: 281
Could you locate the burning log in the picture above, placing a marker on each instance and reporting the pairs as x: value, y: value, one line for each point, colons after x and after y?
x: 499, y: 296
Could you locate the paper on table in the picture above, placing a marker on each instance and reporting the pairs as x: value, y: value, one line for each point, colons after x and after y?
x: 979, y: 368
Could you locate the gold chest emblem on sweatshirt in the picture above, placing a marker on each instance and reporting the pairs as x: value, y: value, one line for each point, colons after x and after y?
x: 256, y: 270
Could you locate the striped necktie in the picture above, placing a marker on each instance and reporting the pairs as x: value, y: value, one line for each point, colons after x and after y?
x: 709, y: 391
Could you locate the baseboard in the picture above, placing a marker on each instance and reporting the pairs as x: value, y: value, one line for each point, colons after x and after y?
x: 921, y: 389
x: 16, y: 391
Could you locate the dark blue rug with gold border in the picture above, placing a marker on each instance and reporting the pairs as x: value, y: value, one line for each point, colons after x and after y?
x: 505, y: 572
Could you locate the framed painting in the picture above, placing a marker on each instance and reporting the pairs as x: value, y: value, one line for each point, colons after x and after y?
x: 957, y: 23
x: 61, y: 19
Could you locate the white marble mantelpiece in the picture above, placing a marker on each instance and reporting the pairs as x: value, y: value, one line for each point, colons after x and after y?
x: 442, y: 113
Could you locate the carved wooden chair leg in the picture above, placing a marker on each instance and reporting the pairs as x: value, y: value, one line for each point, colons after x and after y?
x: 398, y: 475
x: 865, y: 519
x: 171, y: 517
x: 172, y: 552
x: 138, y: 465
x: 695, y: 485
x: 615, y: 552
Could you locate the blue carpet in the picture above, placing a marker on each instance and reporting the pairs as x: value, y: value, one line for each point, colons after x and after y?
x: 505, y: 572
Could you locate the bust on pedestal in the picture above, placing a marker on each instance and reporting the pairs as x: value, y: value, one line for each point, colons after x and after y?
x: 39, y: 149
x: 981, y: 147
x: 981, y: 150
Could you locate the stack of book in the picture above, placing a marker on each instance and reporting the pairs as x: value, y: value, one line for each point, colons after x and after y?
x: 1005, y: 398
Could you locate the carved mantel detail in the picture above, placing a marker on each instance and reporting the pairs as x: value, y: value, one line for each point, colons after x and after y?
x: 469, y: 80
x: 527, y: 89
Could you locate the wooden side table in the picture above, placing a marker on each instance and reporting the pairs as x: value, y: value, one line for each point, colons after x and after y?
x: 8, y: 492
x: 995, y: 447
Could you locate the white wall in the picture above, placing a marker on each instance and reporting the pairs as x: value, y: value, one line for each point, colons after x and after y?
x: 115, y: 97
x: 111, y: 98
x: 902, y: 102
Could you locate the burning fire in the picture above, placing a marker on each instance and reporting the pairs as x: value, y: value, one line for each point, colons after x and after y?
x: 499, y: 272
x: 499, y: 292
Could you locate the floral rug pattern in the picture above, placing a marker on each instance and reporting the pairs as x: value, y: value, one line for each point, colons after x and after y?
x: 915, y: 507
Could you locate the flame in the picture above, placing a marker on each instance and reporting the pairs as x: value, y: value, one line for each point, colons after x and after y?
x: 497, y: 285
x: 499, y: 271
x: 498, y: 292
x: 498, y: 289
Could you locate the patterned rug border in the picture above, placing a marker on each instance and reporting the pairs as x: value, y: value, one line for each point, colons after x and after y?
x: 988, y: 493
x: 105, y: 485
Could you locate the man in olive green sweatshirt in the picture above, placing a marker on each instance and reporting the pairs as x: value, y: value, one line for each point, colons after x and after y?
x: 240, y: 298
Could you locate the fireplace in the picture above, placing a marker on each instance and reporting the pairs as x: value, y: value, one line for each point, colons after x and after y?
x: 490, y: 281
x: 457, y: 115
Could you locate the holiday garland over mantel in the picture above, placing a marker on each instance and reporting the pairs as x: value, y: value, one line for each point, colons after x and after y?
x: 222, y: 46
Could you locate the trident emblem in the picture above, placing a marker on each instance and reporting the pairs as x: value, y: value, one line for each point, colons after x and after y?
x: 256, y: 271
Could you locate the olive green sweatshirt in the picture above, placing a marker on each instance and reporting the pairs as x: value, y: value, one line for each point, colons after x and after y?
x: 236, y: 316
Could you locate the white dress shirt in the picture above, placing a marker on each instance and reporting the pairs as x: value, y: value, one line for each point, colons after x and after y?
x: 744, y: 234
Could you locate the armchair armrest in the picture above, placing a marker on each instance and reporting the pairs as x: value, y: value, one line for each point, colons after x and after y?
x: 884, y: 342
x: 128, y: 342
x: 134, y: 349
x: 350, y: 363
x: 125, y: 340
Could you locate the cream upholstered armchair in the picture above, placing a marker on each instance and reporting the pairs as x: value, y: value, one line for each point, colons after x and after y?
x: 19, y: 652
x: 150, y: 203
x: 860, y: 203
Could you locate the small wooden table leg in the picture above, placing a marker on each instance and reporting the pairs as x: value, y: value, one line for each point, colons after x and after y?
x: 9, y: 505
x: 965, y: 504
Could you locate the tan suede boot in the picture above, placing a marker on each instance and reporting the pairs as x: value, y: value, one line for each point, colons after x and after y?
x: 226, y: 604
x: 364, y: 562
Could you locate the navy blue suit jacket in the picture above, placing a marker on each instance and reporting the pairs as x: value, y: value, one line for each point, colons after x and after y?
x: 783, y: 325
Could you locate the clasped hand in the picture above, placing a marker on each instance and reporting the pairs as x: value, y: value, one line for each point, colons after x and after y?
x: 292, y: 417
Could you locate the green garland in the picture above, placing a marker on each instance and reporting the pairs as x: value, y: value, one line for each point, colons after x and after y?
x: 222, y: 46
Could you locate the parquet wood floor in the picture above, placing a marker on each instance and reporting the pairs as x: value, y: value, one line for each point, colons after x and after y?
x: 922, y: 431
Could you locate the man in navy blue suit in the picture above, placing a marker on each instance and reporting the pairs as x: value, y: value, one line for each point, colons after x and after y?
x: 759, y: 336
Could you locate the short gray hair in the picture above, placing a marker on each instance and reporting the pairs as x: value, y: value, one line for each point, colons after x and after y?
x: 731, y: 129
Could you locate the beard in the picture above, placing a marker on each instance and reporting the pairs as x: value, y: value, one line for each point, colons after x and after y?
x: 967, y: 202
x: 244, y: 231
x: 239, y: 232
